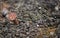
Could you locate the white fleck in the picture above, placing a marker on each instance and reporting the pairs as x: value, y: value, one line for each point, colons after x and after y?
x: 27, y: 32
x: 39, y: 7
x: 56, y: 8
x: 28, y: 37
x: 51, y: 33
x: 4, y: 11
x: 27, y: 23
x: 37, y: 25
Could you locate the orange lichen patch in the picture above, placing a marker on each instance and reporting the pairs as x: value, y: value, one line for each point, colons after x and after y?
x: 11, y: 16
x: 5, y: 5
x: 52, y: 30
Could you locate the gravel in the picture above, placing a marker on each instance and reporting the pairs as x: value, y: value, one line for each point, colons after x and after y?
x: 32, y: 15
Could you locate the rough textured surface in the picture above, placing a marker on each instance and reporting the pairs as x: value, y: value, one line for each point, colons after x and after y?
x: 33, y: 15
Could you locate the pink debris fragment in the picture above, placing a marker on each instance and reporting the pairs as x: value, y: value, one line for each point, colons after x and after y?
x: 11, y: 16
